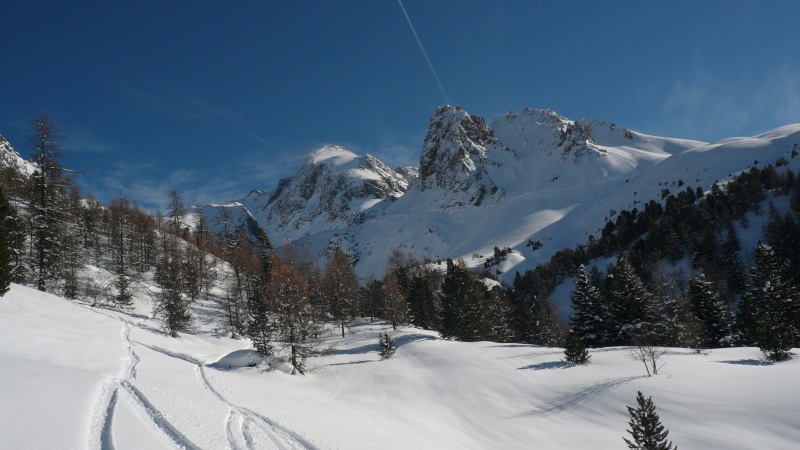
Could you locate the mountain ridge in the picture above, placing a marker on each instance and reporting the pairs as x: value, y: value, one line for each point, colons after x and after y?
x: 522, y: 177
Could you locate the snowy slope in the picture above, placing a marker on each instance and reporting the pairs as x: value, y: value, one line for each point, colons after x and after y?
x: 10, y: 158
x: 82, y: 377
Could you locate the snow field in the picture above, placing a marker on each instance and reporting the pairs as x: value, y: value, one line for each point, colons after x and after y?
x: 81, y: 377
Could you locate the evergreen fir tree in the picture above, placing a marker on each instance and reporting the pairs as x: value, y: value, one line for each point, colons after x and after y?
x: 498, y: 311
x: 421, y: 297
x: 174, y: 308
x: 645, y: 427
x: 715, y: 315
x: 121, y: 240
x: 588, y: 311
x: 454, y: 287
x: 732, y: 262
x: 768, y: 293
x: 774, y: 340
x: 386, y: 346
x: 575, y: 351
x: 462, y: 316
x: 629, y: 305
x: 261, y: 327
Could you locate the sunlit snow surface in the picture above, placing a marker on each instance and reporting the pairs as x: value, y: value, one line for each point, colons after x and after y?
x: 74, y: 376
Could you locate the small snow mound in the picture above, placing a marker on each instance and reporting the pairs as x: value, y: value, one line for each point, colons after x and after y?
x: 238, y: 359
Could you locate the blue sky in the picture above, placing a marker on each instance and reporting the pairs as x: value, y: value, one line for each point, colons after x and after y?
x: 215, y: 98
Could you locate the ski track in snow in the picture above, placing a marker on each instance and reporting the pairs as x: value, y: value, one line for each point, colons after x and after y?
x: 104, y: 412
x: 241, y: 421
x: 244, y: 428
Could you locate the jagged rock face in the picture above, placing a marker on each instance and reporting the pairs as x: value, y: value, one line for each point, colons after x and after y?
x: 455, y: 156
x: 335, y: 188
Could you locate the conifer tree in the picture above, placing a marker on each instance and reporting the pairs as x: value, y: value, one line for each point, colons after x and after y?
x: 176, y: 211
x: 121, y: 239
x: 48, y: 213
x: 712, y: 311
x: 174, y: 308
x: 588, y: 311
x: 575, y: 351
x: 629, y: 305
x: 768, y: 294
x: 261, y: 328
x: 774, y: 340
x: 7, y: 223
x: 498, y: 315
x: 297, y: 332
x: 461, y: 313
x: 646, y: 429
x: 421, y: 297
x: 340, y: 286
x: 732, y: 261
x: 395, y: 308
x: 386, y: 346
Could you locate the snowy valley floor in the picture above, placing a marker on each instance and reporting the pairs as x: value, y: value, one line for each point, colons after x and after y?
x: 74, y: 376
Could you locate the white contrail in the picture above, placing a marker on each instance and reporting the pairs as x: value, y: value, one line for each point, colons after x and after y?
x: 423, y: 51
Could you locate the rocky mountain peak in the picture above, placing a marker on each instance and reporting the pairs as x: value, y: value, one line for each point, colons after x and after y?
x: 454, y: 154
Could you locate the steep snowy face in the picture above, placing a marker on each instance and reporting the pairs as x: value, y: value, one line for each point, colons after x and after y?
x: 544, y: 131
x: 455, y: 156
x: 554, y: 151
x: 10, y: 158
x: 335, y: 188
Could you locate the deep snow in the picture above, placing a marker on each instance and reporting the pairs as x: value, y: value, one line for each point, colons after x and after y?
x: 76, y: 376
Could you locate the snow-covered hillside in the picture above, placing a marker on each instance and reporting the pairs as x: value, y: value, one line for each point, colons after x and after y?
x: 75, y: 376
x: 10, y: 158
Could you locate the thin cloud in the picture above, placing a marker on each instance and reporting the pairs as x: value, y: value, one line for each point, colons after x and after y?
x: 84, y: 141
x: 185, y: 108
x: 709, y: 107
x: 208, y: 110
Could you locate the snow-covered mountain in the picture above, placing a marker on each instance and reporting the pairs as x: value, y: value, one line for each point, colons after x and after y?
x: 236, y: 217
x: 10, y: 158
x: 520, y: 178
x: 334, y: 189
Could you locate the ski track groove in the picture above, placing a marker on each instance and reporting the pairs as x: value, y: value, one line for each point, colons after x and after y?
x: 107, y: 403
x: 571, y: 400
x: 240, y: 420
x: 141, y: 402
x: 157, y: 418
x: 278, y: 434
x: 106, y: 439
